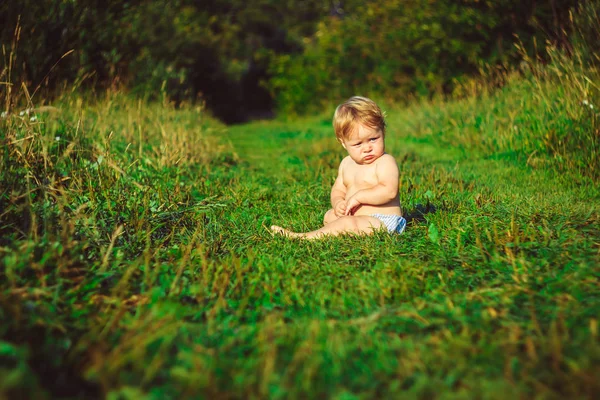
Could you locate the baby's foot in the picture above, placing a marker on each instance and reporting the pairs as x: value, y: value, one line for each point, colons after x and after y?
x: 282, y: 231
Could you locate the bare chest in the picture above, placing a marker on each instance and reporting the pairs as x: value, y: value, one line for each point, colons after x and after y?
x: 360, y: 176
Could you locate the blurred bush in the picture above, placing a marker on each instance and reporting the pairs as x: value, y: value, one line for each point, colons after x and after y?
x: 394, y: 48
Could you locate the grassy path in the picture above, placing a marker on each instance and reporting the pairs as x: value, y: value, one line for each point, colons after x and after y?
x: 177, y: 289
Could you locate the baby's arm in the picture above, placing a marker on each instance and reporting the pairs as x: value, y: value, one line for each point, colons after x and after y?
x: 385, y: 191
x: 338, y: 194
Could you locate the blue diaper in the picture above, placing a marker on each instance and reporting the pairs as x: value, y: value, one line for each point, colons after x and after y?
x: 393, y: 223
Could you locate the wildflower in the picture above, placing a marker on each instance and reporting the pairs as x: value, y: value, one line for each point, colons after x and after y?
x: 585, y: 102
x: 4, y: 114
x: 33, y: 119
x: 591, y: 106
x: 21, y: 113
x: 57, y: 138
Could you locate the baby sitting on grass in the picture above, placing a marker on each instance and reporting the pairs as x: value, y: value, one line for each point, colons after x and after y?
x: 364, y: 196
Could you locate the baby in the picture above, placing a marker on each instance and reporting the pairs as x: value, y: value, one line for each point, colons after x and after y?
x: 364, y: 196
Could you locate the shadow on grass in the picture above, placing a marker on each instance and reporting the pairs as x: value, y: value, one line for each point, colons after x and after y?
x: 417, y: 214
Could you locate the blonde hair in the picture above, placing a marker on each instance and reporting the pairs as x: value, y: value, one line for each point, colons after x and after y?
x: 357, y: 110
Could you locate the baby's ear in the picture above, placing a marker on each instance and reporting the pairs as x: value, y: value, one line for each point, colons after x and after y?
x: 342, y: 143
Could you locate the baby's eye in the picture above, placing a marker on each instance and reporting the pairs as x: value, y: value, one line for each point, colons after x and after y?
x: 373, y: 139
x: 356, y: 145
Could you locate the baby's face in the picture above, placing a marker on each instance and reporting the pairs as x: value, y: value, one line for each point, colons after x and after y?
x: 365, y: 144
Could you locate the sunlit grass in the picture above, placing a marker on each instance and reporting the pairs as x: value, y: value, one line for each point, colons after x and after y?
x: 136, y: 259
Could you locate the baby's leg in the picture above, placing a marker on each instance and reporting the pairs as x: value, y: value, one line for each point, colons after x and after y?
x: 329, y: 217
x: 285, y: 232
x: 359, y: 225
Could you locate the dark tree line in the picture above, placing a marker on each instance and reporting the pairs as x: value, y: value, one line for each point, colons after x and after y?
x: 246, y: 58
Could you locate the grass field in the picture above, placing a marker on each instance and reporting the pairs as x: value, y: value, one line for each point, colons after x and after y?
x: 136, y: 258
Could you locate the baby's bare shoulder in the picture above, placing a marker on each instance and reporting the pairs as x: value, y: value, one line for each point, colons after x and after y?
x: 387, y: 160
x: 345, y: 162
x: 387, y: 166
x: 387, y: 156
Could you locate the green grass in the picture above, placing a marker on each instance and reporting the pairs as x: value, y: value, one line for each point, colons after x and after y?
x: 136, y: 260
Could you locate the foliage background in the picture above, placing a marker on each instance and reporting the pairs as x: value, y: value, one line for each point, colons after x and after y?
x: 249, y: 58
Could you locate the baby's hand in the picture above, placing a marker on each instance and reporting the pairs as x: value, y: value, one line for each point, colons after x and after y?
x: 351, y: 205
x: 340, y: 208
